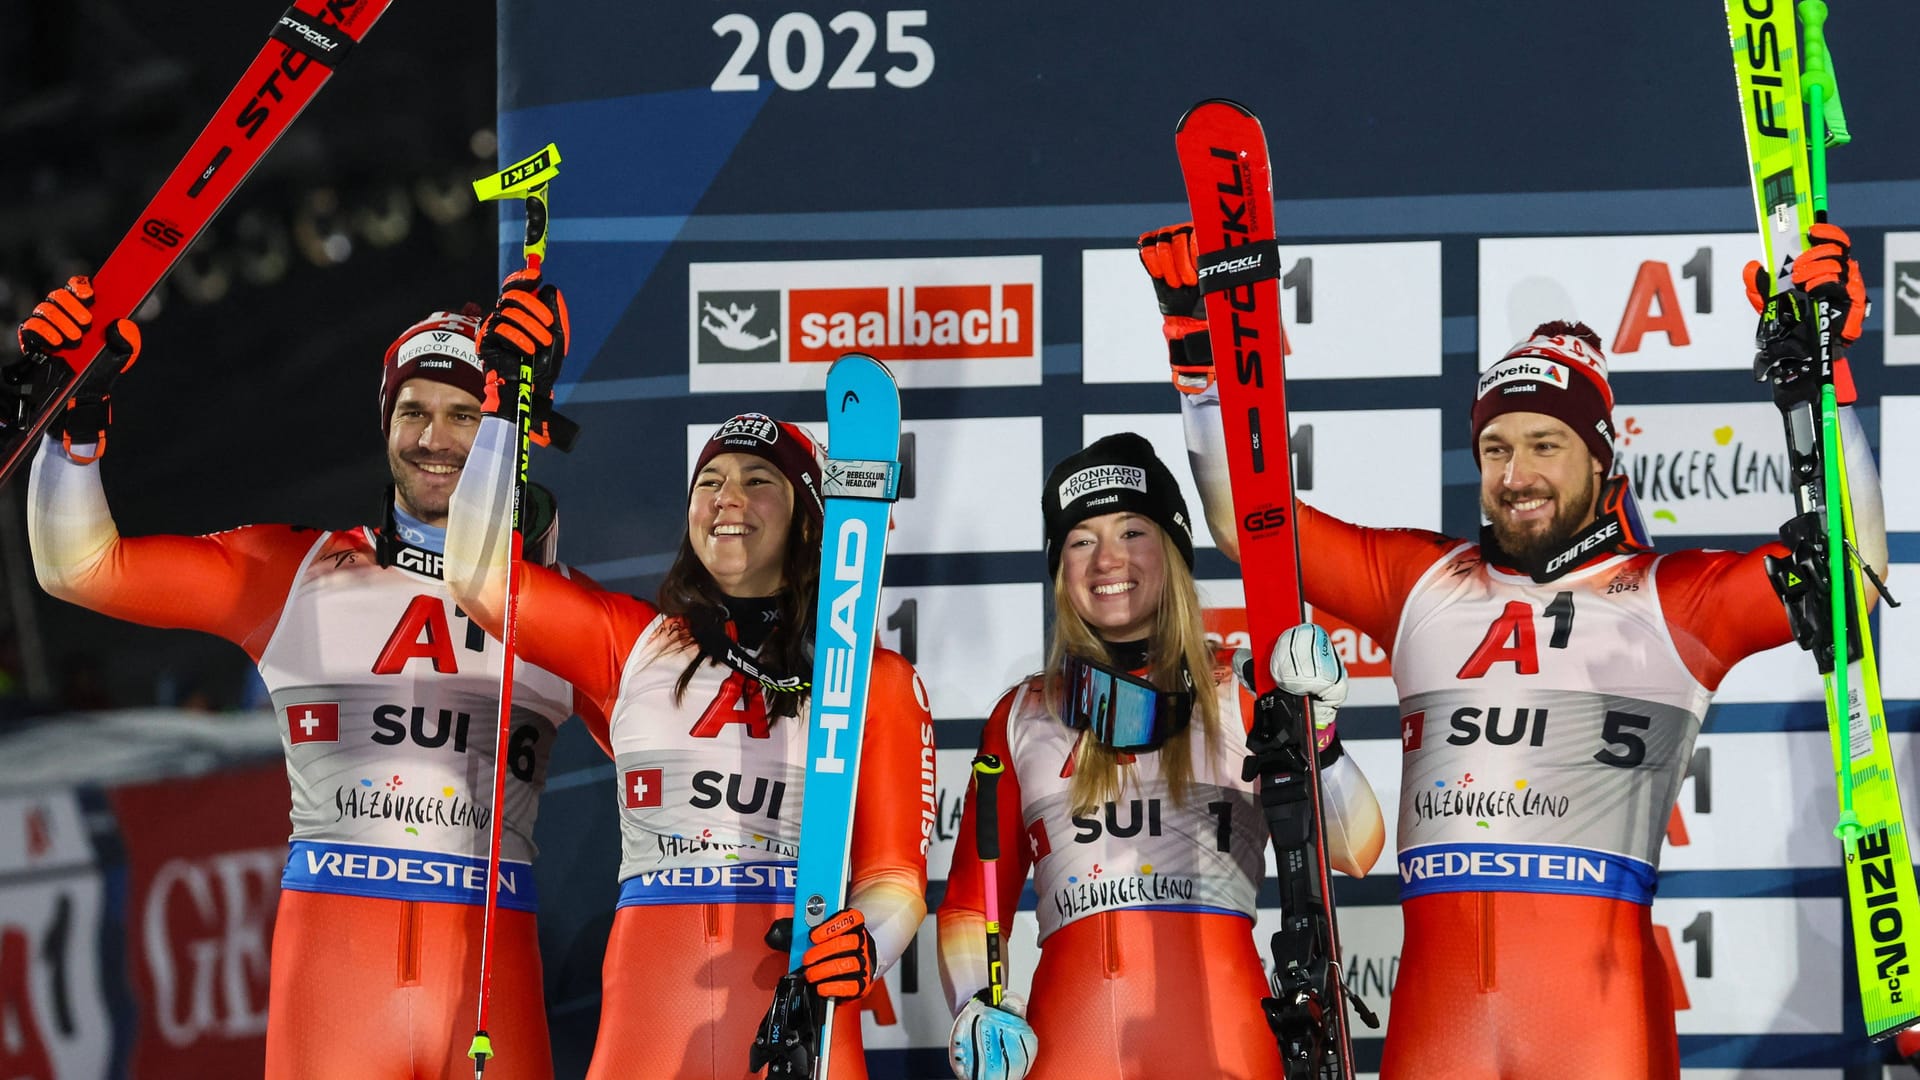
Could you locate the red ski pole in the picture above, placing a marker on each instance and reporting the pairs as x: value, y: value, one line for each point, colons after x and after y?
x: 986, y: 841
x: 523, y: 180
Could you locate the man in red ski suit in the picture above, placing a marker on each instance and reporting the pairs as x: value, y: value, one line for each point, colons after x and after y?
x: 1528, y: 850
x: 385, y: 704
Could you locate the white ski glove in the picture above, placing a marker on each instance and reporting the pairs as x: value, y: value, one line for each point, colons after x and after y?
x: 1304, y: 662
x: 991, y: 1043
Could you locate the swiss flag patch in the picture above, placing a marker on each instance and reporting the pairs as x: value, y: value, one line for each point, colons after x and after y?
x: 1411, y: 727
x: 314, y: 721
x: 640, y: 788
x: 1037, y: 846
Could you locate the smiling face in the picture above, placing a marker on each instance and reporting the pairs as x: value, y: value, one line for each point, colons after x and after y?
x: 432, y: 430
x: 737, y: 521
x: 1538, y: 482
x: 1115, y: 568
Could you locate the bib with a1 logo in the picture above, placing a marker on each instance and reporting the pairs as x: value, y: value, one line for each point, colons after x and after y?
x: 1545, y: 729
x: 710, y: 787
x: 1142, y: 850
x: 388, y: 697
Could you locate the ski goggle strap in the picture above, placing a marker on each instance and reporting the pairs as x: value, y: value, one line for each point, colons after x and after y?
x: 1124, y: 712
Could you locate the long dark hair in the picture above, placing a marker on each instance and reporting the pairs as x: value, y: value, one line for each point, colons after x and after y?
x: 688, y: 588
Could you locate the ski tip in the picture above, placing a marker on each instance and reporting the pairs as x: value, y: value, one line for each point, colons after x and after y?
x: 1197, y: 106
x: 854, y: 360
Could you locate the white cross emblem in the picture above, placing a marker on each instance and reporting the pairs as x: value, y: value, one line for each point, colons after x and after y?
x: 639, y: 787
x: 309, y: 722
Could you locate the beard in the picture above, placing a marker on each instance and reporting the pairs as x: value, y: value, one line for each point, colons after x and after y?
x: 1530, y: 546
x: 416, y: 497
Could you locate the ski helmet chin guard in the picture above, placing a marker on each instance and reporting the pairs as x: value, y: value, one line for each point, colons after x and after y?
x: 443, y: 347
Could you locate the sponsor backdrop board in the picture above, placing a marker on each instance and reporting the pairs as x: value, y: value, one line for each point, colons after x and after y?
x: 751, y: 189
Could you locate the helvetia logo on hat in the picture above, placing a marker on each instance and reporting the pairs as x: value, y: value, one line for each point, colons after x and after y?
x: 1522, y: 369
x: 749, y: 425
x: 1099, y: 478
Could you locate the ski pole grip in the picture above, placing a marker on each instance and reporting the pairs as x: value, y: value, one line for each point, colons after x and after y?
x: 1815, y: 62
x: 986, y: 808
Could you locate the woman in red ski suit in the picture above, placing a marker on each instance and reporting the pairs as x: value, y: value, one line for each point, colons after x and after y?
x: 1147, y: 859
x: 704, y: 691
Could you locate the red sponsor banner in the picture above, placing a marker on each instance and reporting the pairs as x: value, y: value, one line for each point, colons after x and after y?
x: 911, y: 322
x: 203, y: 881
x: 1365, y: 659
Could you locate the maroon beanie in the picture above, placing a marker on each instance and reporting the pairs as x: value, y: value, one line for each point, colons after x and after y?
x: 1560, y: 371
x: 789, y: 447
x: 441, y: 347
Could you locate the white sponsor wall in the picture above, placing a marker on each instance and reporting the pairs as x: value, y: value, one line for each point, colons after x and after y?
x: 1659, y: 303
x: 1352, y: 311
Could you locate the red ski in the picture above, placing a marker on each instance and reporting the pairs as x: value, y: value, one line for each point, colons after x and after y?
x: 305, y: 46
x: 1223, y: 157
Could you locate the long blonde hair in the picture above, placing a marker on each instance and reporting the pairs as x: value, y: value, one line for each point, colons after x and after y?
x: 1176, y: 646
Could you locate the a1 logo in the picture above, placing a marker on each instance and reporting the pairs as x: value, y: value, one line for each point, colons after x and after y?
x: 1654, y: 305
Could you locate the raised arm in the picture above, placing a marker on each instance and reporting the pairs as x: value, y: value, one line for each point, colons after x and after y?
x: 232, y: 584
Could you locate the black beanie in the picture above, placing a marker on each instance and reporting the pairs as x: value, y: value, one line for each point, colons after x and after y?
x: 1117, y: 474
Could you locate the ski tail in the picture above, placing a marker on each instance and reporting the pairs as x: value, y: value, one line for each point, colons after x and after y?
x: 310, y: 39
x: 1229, y: 181
x: 1790, y: 103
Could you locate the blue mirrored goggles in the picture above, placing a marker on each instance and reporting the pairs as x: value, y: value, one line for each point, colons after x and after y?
x: 1124, y: 712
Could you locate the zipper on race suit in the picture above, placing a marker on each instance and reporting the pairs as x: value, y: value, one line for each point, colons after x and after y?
x: 711, y: 914
x: 409, y: 942
x: 1486, y: 943
x: 1109, y: 944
